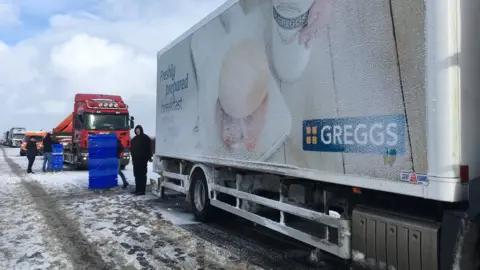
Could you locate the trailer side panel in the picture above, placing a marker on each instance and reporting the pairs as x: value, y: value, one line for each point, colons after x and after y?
x: 350, y: 101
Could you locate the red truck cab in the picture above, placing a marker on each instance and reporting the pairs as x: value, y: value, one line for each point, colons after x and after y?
x: 94, y: 114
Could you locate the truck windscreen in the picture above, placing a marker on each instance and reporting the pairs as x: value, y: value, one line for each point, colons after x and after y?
x: 18, y: 136
x: 106, y: 122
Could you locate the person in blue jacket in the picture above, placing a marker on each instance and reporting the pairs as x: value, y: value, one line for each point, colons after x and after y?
x: 48, y: 141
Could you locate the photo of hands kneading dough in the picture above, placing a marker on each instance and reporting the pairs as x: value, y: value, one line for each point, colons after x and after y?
x: 251, y: 119
x: 242, y: 105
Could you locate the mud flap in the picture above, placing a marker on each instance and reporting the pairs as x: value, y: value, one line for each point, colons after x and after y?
x: 457, y: 229
x: 451, y: 229
x: 473, y: 211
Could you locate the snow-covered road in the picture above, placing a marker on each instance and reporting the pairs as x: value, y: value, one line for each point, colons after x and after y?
x: 53, y: 221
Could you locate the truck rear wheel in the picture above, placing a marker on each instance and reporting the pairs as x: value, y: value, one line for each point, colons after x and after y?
x: 199, y: 196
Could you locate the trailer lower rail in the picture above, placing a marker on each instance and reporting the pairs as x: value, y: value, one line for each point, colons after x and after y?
x: 341, y: 248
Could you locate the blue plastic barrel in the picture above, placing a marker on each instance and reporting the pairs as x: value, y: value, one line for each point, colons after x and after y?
x: 103, y: 161
x: 57, y: 157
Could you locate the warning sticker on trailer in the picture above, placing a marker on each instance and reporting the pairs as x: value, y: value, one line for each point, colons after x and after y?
x: 414, y: 178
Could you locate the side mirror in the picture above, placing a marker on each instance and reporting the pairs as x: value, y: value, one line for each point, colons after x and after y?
x: 132, y: 123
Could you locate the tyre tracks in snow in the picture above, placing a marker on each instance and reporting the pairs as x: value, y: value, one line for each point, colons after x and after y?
x: 82, y: 254
x: 249, y: 245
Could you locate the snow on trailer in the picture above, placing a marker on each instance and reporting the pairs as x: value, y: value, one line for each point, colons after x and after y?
x: 358, y: 115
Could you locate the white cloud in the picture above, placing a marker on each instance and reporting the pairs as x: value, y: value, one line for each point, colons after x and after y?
x: 16, y: 65
x: 55, y: 107
x: 9, y: 14
x: 107, y: 47
x: 96, y: 65
x: 11, y: 101
x: 26, y: 111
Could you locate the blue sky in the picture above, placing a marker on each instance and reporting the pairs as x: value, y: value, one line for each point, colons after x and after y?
x: 34, y: 16
x: 31, y: 25
x: 52, y: 49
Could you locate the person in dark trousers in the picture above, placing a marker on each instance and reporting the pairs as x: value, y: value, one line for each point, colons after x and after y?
x: 31, y: 153
x: 48, y: 141
x: 119, y: 156
x: 141, y: 155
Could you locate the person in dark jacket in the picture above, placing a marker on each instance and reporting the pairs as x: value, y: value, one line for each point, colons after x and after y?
x: 119, y: 156
x: 48, y: 141
x: 141, y: 154
x: 31, y: 153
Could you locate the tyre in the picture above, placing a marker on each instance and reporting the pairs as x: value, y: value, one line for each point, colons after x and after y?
x: 470, y: 248
x: 79, y: 167
x: 199, y: 200
x: 162, y: 192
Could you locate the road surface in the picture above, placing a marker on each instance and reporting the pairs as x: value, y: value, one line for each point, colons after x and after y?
x: 53, y: 221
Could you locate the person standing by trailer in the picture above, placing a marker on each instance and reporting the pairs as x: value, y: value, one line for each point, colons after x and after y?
x: 119, y: 156
x: 48, y: 141
x: 141, y: 155
x: 31, y: 153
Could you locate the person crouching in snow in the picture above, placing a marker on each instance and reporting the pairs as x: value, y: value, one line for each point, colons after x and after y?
x: 31, y: 153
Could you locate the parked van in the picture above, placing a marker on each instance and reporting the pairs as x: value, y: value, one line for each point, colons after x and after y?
x: 38, y: 135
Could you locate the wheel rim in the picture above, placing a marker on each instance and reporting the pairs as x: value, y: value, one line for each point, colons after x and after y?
x: 199, y: 195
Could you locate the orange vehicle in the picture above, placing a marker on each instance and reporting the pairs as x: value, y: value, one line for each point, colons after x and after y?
x: 38, y: 135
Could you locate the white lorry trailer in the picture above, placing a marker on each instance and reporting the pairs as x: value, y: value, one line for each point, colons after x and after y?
x: 348, y: 125
x: 3, y: 139
x: 15, y: 136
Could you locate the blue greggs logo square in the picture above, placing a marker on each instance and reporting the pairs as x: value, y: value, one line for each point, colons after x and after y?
x: 368, y: 134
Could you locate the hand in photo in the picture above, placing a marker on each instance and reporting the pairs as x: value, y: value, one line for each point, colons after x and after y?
x: 242, y: 103
x: 244, y: 133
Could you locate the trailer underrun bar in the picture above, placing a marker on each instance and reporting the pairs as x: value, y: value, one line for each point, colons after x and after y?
x: 342, y: 249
